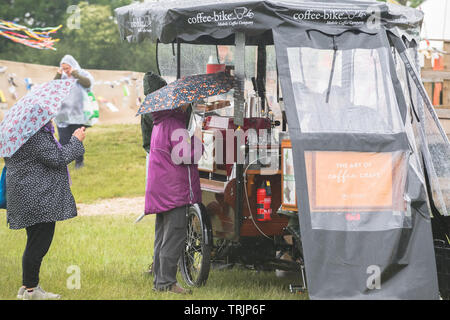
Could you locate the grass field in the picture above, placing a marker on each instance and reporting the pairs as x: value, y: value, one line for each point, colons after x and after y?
x: 114, y: 164
x: 111, y: 252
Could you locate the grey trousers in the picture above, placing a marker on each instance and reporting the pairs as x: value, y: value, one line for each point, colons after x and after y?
x: 170, y: 237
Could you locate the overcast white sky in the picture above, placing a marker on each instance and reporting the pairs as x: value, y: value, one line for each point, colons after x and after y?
x: 437, y: 19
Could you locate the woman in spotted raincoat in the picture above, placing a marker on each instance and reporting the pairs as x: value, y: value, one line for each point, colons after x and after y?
x: 38, y: 195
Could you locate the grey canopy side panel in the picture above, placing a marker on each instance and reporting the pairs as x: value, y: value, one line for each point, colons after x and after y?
x: 435, y: 145
x: 382, y: 258
x: 384, y: 254
x: 400, y: 46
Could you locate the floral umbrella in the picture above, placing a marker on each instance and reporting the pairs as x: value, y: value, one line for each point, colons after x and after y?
x: 186, y: 90
x: 31, y: 113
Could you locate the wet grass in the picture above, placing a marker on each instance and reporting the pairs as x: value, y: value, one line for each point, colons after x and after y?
x: 111, y: 254
x: 114, y: 164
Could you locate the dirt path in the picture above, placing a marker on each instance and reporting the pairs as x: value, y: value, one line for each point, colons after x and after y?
x: 127, y: 206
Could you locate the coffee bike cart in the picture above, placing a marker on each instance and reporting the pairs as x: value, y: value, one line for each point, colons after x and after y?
x: 249, y: 213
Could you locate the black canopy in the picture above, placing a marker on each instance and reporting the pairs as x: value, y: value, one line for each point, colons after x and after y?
x: 216, y: 22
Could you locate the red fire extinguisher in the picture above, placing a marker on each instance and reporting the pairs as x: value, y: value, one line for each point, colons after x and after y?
x: 263, y: 202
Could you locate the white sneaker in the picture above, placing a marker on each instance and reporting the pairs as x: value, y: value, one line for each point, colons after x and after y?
x: 39, y: 294
x: 20, y: 293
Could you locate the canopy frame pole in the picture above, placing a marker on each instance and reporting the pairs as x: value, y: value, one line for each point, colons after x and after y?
x: 178, y: 59
x: 239, y: 101
x: 261, y: 74
x: 239, y: 71
x: 157, y: 57
x: 414, y: 74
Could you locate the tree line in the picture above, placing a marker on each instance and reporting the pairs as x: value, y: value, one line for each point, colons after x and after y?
x: 94, y: 42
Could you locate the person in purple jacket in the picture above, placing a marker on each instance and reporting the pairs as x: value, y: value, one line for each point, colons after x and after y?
x: 173, y: 185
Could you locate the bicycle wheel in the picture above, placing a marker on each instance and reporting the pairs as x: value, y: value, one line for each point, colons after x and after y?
x: 195, y: 261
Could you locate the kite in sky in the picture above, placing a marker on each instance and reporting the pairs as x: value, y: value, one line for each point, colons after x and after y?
x: 39, y: 38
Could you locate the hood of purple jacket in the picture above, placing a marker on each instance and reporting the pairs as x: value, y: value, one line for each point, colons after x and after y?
x: 169, y: 184
x: 160, y: 116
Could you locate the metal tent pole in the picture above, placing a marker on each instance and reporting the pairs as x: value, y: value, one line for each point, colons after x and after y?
x: 239, y: 101
x: 261, y: 75
x: 178, y: 59
x: 157, y: 57
x: 239, y: 70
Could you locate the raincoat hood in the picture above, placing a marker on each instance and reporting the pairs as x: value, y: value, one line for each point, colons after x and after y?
x: 68, y: 59
x: 72, y: 110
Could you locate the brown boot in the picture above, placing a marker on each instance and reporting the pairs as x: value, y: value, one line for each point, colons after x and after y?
x: 176, y: 288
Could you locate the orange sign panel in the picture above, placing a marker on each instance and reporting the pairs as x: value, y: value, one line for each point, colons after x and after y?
x: 355, y: 181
